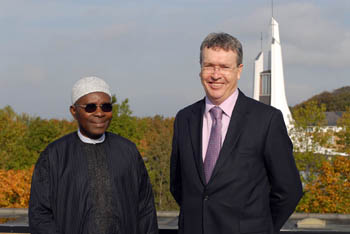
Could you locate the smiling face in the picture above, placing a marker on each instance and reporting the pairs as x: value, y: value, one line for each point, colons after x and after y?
x: 219, y: 74
x: 94, y: 124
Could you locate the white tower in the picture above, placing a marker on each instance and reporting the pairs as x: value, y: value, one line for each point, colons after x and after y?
x: 258, y: 69
x: 269, y: 84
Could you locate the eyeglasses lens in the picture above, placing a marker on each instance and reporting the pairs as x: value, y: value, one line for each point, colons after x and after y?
x: 90, y: 108
x: 107, y: 107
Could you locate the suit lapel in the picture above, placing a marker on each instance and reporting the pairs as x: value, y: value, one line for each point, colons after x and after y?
x: 195, y: 123
x: 235, y: 128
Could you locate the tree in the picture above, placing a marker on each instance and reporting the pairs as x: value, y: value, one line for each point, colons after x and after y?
x: 343, y: 134
x: 13, y: 152
x: 15, y: 188
x: 159, y: 138
x: 330, y: 192
x: 309, y: 137
x: 42, y: 132
x: 123, y: 123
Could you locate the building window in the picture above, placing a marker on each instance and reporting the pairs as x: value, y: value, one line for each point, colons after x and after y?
x: 265, y: 84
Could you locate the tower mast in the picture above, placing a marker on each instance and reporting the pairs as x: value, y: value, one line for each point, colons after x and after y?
x: 272, y: 8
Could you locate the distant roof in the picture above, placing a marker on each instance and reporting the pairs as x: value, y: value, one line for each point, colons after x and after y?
x: 332, y: 117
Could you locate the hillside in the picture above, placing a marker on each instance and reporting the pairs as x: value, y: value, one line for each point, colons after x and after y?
x: 337, y: 100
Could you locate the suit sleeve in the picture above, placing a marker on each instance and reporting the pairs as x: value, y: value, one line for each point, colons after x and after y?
x: 286, y: 188
x: 41, y: 218
x: 175, y: 173
x: 147, y: 217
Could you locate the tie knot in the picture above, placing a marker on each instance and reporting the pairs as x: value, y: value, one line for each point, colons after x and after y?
x: 216, y: 112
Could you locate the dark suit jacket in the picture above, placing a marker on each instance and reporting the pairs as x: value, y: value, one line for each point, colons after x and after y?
x: 255, y: 185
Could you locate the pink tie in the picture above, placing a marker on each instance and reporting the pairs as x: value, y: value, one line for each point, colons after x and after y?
x: 214, y: 144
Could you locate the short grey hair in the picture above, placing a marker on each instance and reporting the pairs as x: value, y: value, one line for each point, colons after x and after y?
x: 223, y: 41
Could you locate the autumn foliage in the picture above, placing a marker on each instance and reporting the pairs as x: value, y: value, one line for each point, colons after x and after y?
x: 15, y: 187
x: 330, y: 192
x: 326, y: 178
x: 22, y: 138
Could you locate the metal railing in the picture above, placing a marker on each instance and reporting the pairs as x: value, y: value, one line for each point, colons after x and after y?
x: 167, y: 222
x: 21, y: 229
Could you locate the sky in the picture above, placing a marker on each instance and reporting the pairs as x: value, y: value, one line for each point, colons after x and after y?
x: 148, y: 51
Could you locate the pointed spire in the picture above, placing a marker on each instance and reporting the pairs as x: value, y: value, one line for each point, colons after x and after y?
x: 278, y: 95
x: 275, y: 31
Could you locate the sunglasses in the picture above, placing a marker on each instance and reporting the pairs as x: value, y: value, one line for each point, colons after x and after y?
x: 92, y: 107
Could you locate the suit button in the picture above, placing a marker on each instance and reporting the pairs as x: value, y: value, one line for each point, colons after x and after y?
x: 206, y: 198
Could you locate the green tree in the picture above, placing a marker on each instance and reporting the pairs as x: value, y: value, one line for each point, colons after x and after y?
x: 308, y: 136
x: 41, y: 132
x: 123, y: 123
x: 343, y: 134
x: 157, y: 153
x: 13, y: 152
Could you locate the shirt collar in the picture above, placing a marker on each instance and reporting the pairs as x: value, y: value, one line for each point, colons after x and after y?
x: 89, y: 140
x: 227, y: 105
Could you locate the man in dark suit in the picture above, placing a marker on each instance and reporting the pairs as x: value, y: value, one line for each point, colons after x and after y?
x: 232, y: 167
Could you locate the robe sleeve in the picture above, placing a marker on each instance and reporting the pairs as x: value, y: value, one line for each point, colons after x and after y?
x: 147, y: 217
x: 41, y: 218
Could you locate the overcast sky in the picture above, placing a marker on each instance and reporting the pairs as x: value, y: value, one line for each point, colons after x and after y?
x: 148, y: 51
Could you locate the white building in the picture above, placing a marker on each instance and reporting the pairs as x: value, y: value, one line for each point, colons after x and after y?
x: 269, y: 83
x: 269, y: 88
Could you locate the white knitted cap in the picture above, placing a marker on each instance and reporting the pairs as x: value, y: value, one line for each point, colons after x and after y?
x: 88, y: 85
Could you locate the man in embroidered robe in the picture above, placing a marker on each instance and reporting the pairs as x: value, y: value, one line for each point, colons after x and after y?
x: 91, y: 181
